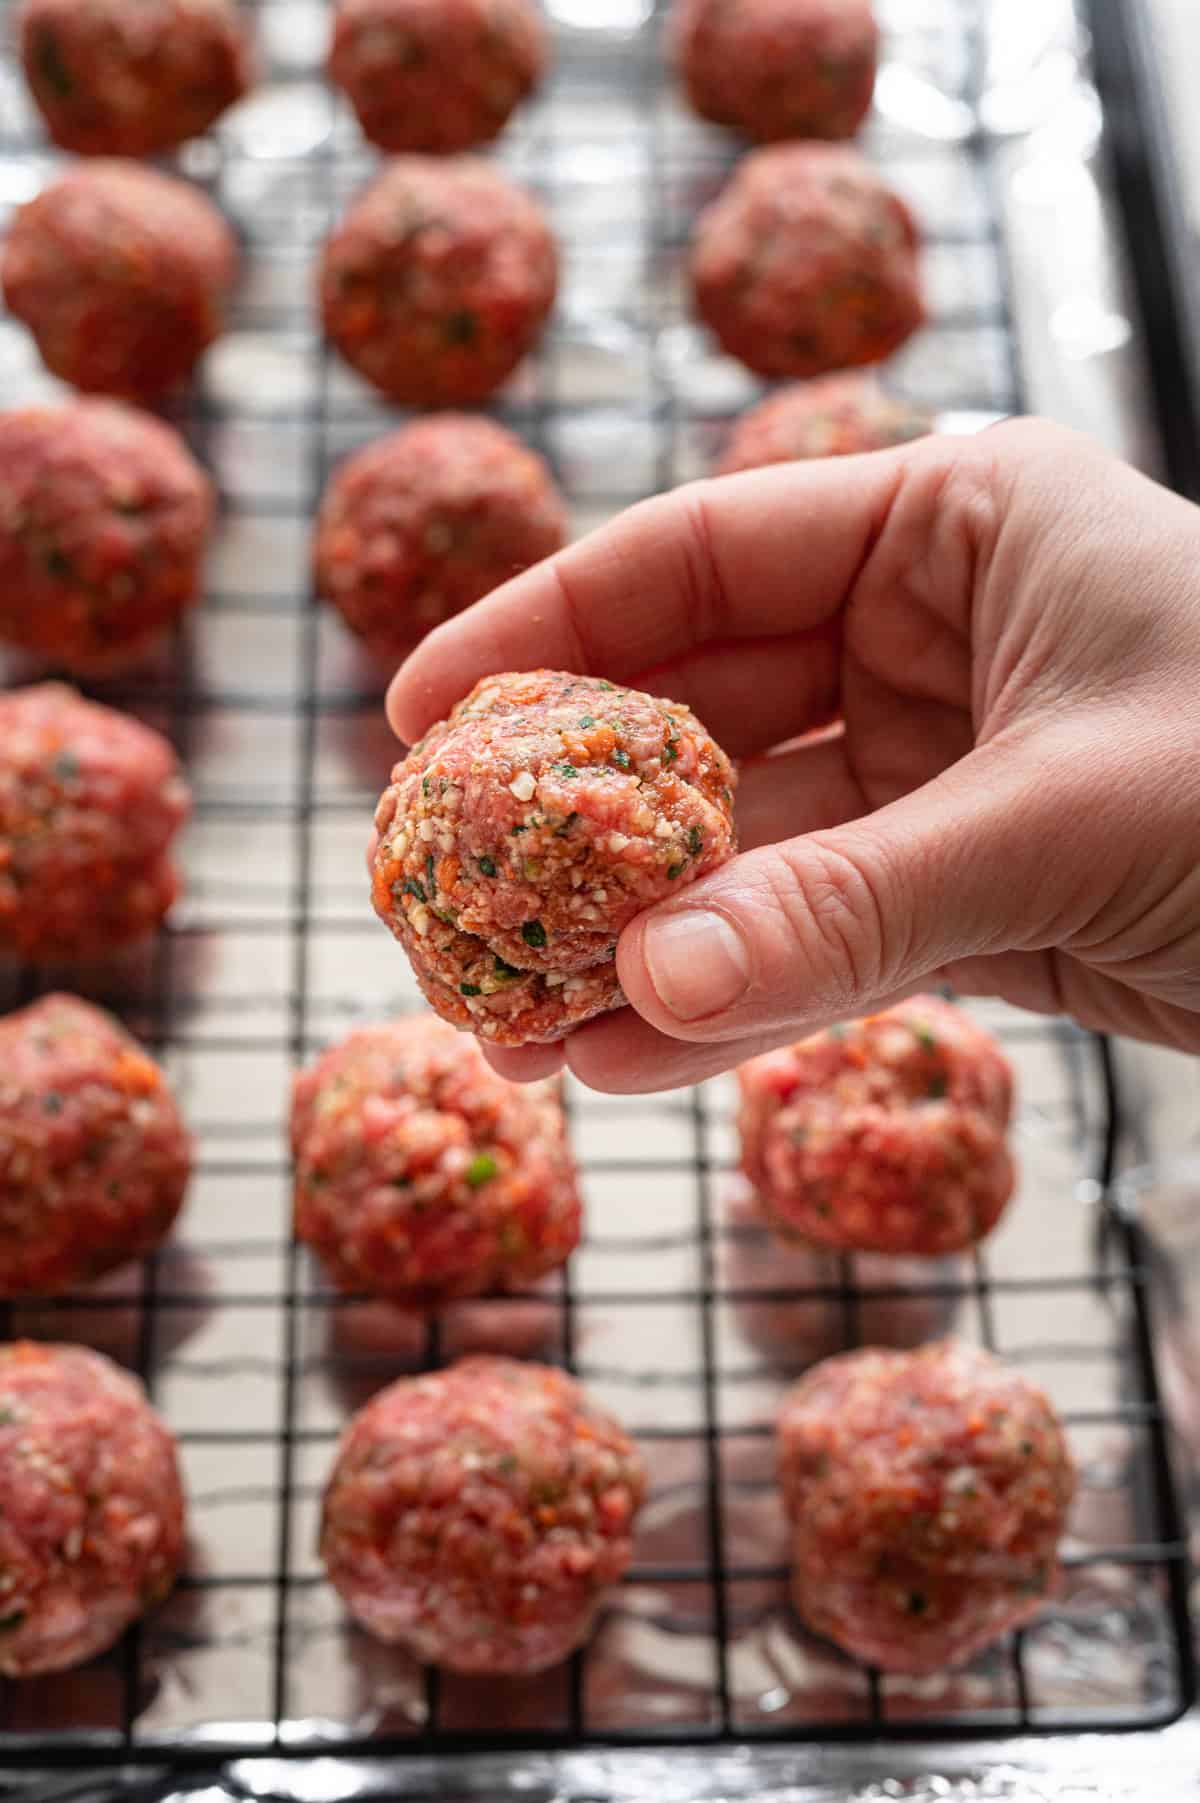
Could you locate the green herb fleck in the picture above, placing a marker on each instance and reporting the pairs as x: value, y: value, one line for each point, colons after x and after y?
x: 487, y: 867
x: 66, y: 766
x: 621, y: 758
x: 469, y: 989
x: 560, y: 832
x: 481, y: 1170
x: 586, y: 722
x: 925, y: 1039
x: 414, y: 887
x: 49, y: 65
x: 1026, y: 1449
x: 671, y: 749
x: 937, y: 1088
x: 520, y: 829
x: 507, y: 973
x: 674, y: 871
x: 610, y: 687
x: 425, y: 787
x: 534, y: 933
x: 837, y: 1031
x: 566, y: 770
x: 507, y: 1463
x: 461, y: 327
x: 52, y: 1102
x: 430, y: 877
x: 7, y: 1414
x: 695, y: 841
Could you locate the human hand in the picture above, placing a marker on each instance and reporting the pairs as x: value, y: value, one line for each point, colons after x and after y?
x: 1008, y: 627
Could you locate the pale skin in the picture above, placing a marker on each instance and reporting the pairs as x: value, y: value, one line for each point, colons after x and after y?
x: 1006, y: 628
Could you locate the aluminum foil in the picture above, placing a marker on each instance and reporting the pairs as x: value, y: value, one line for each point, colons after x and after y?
x: 987, y: 119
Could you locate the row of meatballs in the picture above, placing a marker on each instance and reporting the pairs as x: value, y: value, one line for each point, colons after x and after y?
x: 478, y: 1515
x: 137, y: 77
x: 442, y: 273
x: 105, y: 517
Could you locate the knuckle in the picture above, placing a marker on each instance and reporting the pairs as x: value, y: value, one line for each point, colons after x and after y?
x: 836, y: 911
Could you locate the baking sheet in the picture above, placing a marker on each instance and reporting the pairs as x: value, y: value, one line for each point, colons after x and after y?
x: 673, y: 1314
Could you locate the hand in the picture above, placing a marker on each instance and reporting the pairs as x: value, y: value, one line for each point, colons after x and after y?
x: 1009, y: 629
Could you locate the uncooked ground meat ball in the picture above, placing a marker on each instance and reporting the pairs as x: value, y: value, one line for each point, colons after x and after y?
x: 91, y: 1508
x: 104, y: 515
x: 121, y: 274
x: 927, y: 1493
x: 523, y: 833
x: 132, y: 77
x: 806, y: 262
x: 436, y: 75
x: 835, y: 416
x: 428, y: 520
x: 438, y: 280
x: 89, y: 803
x: 422, y: 1175
x: 478, y: 1515
x: 778, y: 68
x: 94, y: 1158
x: 887, y: 1134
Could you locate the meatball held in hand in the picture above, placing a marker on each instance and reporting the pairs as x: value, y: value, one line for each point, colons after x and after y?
x: 778, y: 68
x: 89, y: 803
x: 927, y: 1493
x: 423, y: 1176
x: 887, y: 1134
x: 807, y: 262
x: 438, y: 280
x: 525, y: 832
x: 478, y: 1515
x: 436, y: 77
x: 420, y: 524
x: 833, y: 416
x: 122, y: 275
x: 132, y: 77
x: 104, y: 515
x: 91, y: 1507
x: 94, y: 1157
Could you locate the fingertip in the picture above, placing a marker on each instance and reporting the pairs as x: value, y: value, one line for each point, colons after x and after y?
x: 372, y: 848
x: 525, y: 1063
x: 410, y: 701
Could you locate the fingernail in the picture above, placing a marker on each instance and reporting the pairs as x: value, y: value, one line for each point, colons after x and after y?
x: 697, y: 963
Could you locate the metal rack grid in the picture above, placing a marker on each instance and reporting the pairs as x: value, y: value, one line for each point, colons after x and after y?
x: 677, y: 1311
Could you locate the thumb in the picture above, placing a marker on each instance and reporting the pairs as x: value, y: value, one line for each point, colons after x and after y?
x: 998, y: 853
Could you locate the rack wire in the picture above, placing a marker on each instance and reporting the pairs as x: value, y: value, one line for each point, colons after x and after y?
x: 677, y: 1311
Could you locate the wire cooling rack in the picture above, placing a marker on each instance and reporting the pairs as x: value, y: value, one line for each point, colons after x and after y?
x: 677, y: 1312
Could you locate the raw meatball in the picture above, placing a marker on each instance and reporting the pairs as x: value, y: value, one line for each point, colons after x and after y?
x: 89, y: 803
x: 438, y: 280
x: 104, y: 516
x: 423, y: 1176
x: 806, y: 262
x: 121, y: 274
x: 422, y: 523
x: 888, y: 1134
x: 436, y: 74
x: 835, y: 416
x: 479, y: 1514
x: 91, y: 1507
x: 779, y: 68
x: 132, y: 77
x: 927, y: 1492
x: 523, y: 833
x: 94, y: 1157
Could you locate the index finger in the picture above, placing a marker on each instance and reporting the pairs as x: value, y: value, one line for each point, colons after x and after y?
x: 748, y: 556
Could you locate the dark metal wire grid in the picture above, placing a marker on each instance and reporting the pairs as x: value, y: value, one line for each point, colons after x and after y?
x: 677, y: 1312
